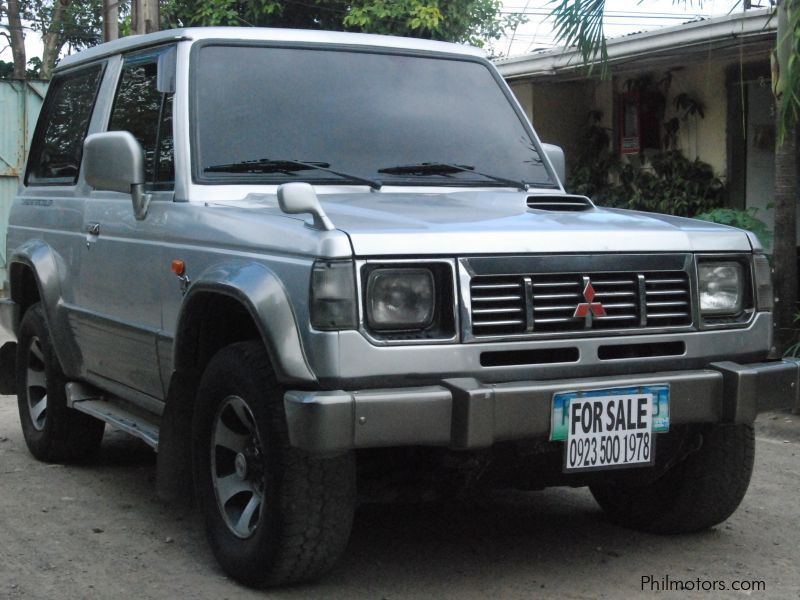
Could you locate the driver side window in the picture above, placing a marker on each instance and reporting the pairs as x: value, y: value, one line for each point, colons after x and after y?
x: 147, y: 114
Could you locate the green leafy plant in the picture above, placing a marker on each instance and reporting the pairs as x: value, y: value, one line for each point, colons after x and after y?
x: 743, y: 219
x: 664, y: 181
x: 672, y: 184
x: 794, y: 349
x: 689, y: 106
x: 589, y: 175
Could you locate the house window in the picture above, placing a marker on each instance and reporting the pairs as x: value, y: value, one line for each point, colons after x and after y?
x: 639, y: 122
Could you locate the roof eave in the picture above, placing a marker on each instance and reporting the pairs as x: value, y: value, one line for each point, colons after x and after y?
x: 746, y: 27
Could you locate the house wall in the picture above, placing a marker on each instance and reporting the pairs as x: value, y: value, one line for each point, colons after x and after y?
x: 703, y: 138
x: 604, y: 102
x: 704, y: 82
x: 558, y: 110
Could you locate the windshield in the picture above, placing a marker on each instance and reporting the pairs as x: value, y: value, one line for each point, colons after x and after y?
x: 370, y: 115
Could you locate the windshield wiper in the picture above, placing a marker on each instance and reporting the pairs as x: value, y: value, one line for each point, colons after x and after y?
x: 266, y: 165
x: 430, y: 168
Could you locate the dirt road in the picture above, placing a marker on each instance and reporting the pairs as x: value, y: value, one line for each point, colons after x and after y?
x: 97, y: 531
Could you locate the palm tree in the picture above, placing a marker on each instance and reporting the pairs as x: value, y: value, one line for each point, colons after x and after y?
x: 579, y: 23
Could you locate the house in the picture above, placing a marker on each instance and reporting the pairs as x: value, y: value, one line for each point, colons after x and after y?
x: 702, y: 87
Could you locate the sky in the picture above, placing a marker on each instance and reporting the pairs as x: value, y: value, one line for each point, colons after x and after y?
x: 622, y: 17
x: 33, y: 44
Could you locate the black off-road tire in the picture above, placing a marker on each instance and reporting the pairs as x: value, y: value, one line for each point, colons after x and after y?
x: 303, y: 522
x: 697, y: 493
x: 57, y: 433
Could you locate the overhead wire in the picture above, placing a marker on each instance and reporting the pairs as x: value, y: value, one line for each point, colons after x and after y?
x: 614, y: 21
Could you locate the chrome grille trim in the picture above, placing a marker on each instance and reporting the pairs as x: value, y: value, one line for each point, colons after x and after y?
x: 667, y: 299
x: 500, y: 307
x: 488, y: 304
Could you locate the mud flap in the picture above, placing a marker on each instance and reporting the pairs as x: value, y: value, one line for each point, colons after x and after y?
x: 8, y: 368
x: 174, y: 462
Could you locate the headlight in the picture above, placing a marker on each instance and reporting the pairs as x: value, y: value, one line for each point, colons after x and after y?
x: 333, y: 296
x: 400, y: 299
x: 721, y: 286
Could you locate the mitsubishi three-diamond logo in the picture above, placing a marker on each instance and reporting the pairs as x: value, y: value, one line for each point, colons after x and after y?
x: 589, y: 309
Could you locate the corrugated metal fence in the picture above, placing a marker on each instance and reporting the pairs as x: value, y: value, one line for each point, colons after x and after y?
x: 20, y: 103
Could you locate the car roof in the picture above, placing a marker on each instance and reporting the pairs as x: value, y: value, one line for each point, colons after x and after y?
x: 263, y: 34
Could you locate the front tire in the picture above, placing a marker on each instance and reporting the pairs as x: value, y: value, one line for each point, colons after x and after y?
x: 699, y: 492
x: 274, y: 514
x: 53, y: 432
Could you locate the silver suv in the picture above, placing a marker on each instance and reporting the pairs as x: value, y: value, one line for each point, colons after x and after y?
x: 291, y: 260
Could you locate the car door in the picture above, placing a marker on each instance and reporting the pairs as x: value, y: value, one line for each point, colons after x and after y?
x: 50, y: 210
x: 122, y: 267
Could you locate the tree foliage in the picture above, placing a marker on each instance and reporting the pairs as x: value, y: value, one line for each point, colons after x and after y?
x: 470, y: 21
x: 33, y: 70
x: 579, y: 23
x: 15, y: 36
x: 786, y: 64
x: 6, y: 70
x: 61, y: 23
x: 77, y: 24
x: 80, y: 25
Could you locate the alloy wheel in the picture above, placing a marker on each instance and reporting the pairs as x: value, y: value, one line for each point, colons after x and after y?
x: 237, y: 469
x: 36, y: 385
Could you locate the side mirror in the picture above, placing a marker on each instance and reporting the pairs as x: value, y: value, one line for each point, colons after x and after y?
x: 298, y: 197
x: 114, y: 161
x: 556, y: 156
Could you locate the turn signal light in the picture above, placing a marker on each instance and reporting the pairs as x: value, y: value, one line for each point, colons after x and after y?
x: 178, y: 267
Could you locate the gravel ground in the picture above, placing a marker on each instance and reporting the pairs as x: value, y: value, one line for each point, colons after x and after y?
x: 97, y: 531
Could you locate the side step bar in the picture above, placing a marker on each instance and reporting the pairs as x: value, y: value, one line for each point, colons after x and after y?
x: 92, y: 402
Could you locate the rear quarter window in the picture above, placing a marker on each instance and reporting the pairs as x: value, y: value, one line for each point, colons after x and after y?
x: 63, y: 124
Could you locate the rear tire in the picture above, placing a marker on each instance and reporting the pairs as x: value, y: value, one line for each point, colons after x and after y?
x: 274, y: 514
x: 53, y: 432
x: 697, y: 493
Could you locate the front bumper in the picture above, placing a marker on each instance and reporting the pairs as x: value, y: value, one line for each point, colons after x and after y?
x: 464, y: 413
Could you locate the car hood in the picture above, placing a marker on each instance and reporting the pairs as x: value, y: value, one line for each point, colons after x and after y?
x: 484, y: 222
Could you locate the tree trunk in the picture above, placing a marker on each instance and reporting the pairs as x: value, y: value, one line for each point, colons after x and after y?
x: 785, y: 249
x: 797, y: 202
x: 145, y: 16
x: 53, y: 38
x: 110, y: 20
x: 17, y: 39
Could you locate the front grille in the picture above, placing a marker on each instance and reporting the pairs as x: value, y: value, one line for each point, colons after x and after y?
x: 498, y: 304
x: 667, y: 297
x: 555, y: 298
x: 547, y: 302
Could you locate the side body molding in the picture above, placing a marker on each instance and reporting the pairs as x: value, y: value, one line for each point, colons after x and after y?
x: 261, y: 292
x: 43, y: 261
